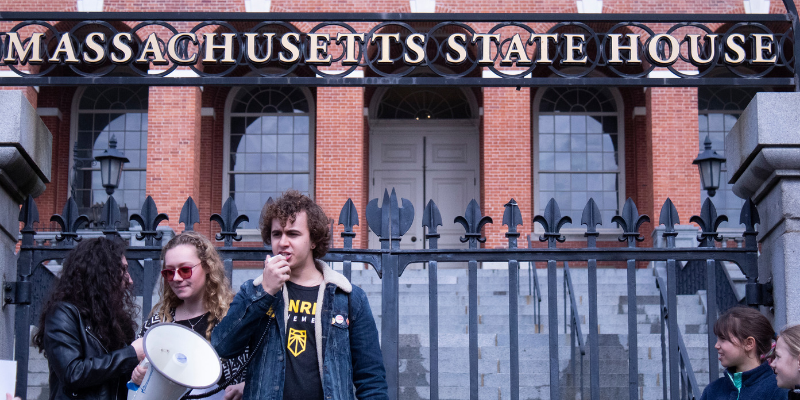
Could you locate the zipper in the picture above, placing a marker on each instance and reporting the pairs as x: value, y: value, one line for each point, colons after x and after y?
x: 89, y: 332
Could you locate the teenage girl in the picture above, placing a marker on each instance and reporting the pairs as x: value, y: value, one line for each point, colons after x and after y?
x: 743, y: 337
x: 785, y: 361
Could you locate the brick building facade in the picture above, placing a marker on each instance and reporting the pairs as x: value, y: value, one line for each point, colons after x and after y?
x: 530, y: 144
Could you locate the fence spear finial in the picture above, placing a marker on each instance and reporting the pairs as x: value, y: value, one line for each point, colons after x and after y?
x: 630, y: 221
x: 709, y: 222
x: 473, y: 222
x: 229, y: 221
x: 512, y: 217
x: 349, y: 218
x: 190, y: 215
x: 552, y: 221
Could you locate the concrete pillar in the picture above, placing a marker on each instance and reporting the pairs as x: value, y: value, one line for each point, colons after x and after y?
x: 25, y: 163
x: 506, y: 166
x: 763, y: 151
x: 173, y: 149
x: 341, y: 155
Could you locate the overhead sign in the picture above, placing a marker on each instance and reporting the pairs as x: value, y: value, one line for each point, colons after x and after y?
x: 241, y: 51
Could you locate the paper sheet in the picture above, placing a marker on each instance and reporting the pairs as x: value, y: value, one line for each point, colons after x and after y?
x: 8, y: 377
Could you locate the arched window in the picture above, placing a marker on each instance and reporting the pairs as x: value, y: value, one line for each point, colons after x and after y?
x: 424, y: 104
x: 578, y: 150
x: 103, y: 113
x: 269, y: 146
x: 718, y: 109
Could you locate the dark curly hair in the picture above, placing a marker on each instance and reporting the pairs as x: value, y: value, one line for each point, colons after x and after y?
x: 286, y: 208
x: 94, y: 280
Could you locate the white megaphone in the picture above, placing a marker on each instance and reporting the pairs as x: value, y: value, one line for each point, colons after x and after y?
x: 180, y: 360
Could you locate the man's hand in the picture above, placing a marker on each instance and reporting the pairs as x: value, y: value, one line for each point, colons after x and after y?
x: 234, y: 392
x: 11, y: 397
x: 138, y: 345
x: 276, y: 273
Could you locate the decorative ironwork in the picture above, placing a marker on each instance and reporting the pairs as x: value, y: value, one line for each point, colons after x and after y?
x: 393, y: 50
x: 349, y: 218
x: 708, y: 222
x: 190, y: 215
x: 591, y: 217
x: 149, y: 219
x: 432, y: 219
x: 229, y: 221
x: 630, y: 221
x: 473, y: 222
x: 552, y: 222
x: 512, y: 217
x: 392, y: 221
x: 70, y: 222
x: 111, y: 216
x: 28, y: 215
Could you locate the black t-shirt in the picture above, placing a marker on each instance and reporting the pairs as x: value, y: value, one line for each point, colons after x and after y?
x: 302, y: 380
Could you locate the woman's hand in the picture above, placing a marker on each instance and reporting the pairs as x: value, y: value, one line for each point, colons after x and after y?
x: 234, y: 392
x: 138, y: 374
x: 10, y: 397
x: 138, y: 345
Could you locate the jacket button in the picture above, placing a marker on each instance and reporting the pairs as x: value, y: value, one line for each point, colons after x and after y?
x: 280, y: 358
x: 277, y: 388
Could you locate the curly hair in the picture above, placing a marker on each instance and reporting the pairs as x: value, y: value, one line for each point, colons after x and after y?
x: 218, y: 293
x: 285, y: 209
x: 94, y: 280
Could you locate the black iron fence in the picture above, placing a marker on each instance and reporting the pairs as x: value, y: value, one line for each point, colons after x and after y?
x: 390, y: 221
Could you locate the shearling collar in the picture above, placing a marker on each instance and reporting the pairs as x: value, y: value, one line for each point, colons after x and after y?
x: 331, y: 276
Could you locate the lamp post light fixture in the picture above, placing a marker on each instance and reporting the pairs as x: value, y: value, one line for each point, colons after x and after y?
x: 111, y: 166
x: 710, y: 165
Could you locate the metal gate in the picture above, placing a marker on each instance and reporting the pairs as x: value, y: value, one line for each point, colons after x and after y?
x: 390, y: 220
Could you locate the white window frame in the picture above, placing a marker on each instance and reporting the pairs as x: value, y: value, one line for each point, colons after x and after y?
x: 575, y: 231
x: 73, y: 137
x: 254, y: 234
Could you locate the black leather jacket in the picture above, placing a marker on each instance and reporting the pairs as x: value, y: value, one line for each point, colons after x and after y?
x: 80, y: 367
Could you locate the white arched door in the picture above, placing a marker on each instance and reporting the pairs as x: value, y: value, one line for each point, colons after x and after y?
x: 427, y: 162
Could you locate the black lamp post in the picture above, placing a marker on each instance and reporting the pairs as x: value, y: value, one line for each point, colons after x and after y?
x: 111, y: 166
x: 710, y: 165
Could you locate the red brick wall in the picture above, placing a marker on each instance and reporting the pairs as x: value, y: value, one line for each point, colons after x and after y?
x: 507, y: 168
x: 672, y: 144
x: 339, y: 161
x: 173, y: 149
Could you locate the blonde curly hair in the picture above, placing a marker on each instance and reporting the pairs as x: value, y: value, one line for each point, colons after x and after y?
x: 218, y: 293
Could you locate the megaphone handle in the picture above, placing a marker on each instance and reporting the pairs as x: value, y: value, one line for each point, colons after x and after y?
x: 260, y: 277
x: 132, y: 386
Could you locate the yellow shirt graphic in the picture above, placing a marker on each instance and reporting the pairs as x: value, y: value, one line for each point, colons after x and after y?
x: 297, y: 341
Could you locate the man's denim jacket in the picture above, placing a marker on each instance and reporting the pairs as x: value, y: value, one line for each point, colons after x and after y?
x: 347, y: 346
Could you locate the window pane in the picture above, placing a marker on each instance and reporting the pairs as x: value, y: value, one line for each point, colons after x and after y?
x: 547, y: 124
x: 546, y: 142
x: 278, y: 139
x: 96, y: 126
x: 562, y: 124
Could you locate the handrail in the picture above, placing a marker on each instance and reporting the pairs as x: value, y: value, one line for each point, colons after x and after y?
x: 686, y: 363
x: 535, y: 291
x: 574, y: 306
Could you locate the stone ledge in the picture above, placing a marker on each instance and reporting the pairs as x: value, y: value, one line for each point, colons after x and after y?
x: 763, y: 141
x: 25, y: 147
